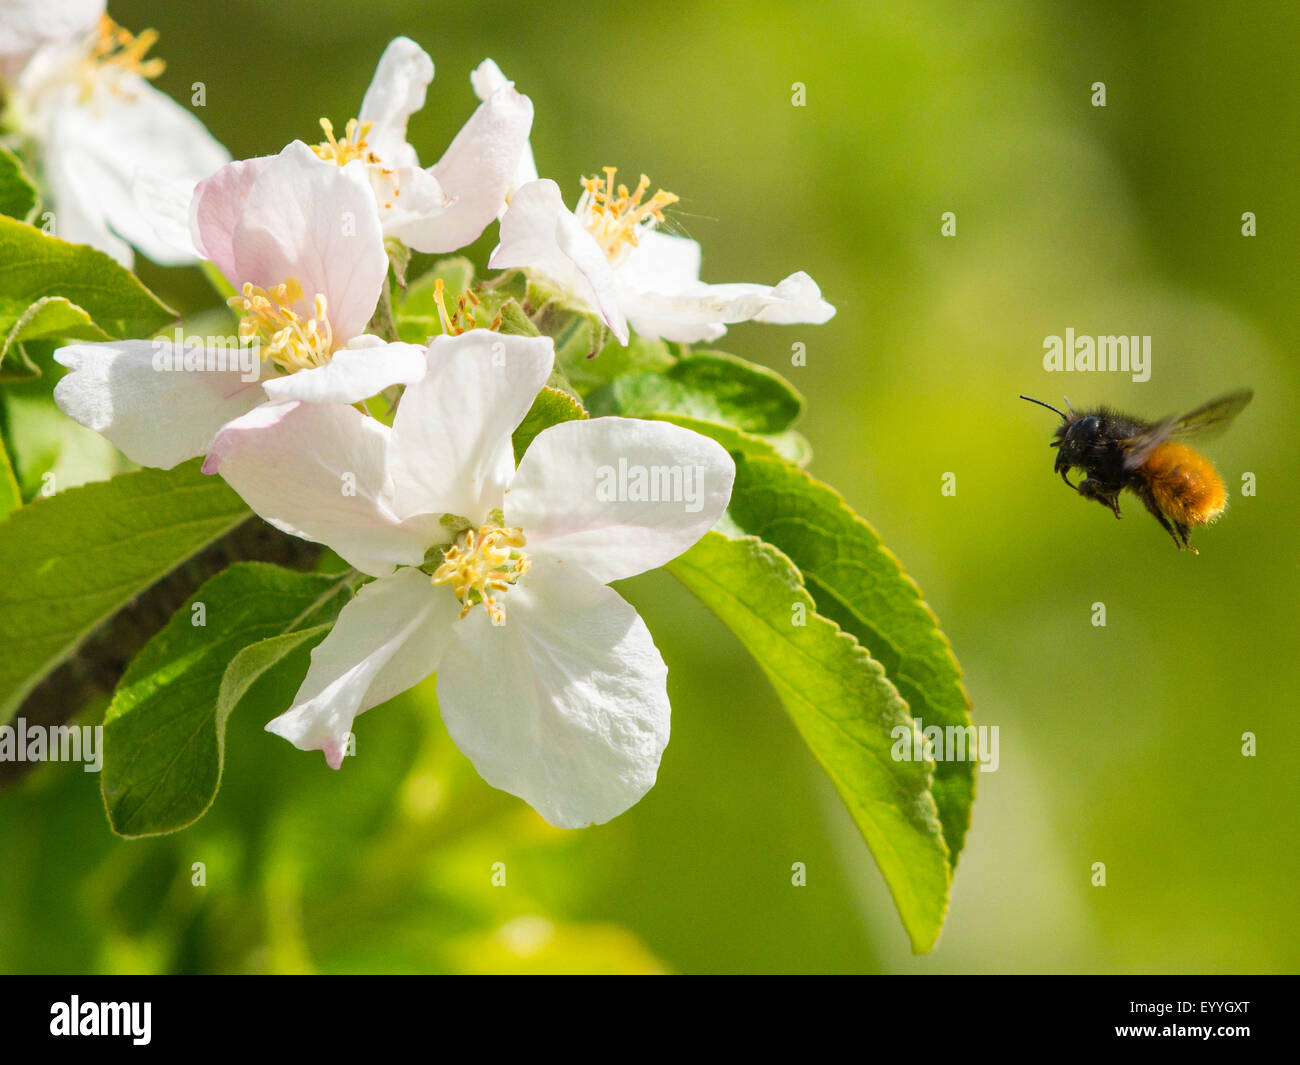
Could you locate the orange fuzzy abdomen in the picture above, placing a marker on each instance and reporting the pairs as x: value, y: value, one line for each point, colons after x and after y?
x: 1185, y: 484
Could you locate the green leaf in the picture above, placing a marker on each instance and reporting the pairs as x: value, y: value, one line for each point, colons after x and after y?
x: 34, y: 265
x: 49, y: 316
x: 10, y: 496
x: 790, y: 445
x: 845, y: 709
x: 16, y: 364
x: 457, y: 272
x: 552, y: 406
x: 513, y: 320
x: 861, y: 586
x: 711, y: 386
x: 73, y: 559
x: 585, y: 350
x: 164, y: 733
x: 49, y: 450
x: 17, y: 192
x: 575, y: 332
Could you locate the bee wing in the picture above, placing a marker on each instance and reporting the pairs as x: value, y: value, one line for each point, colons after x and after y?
x: 1207, y: 420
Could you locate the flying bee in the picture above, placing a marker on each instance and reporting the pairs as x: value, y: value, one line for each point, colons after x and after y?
x: 1176, y: 483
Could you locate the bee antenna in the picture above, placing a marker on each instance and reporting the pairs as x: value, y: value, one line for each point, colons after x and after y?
x: 1047, y: 405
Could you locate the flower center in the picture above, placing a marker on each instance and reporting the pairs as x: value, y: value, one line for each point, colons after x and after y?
x: 291, y: 341
x: 486, y: 561
x: 616, y: 217
x: 352, y: 146
x: 117, y: 48
x: 463, y: 318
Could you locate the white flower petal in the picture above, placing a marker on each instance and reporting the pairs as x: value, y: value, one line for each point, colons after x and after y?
x: 156, y: 417
x: 487, y: 79
x: 316, y: 222
x: 75, y: 183
x: 565, y: 705
x: 661, y: 262
x: 696, y: 312
x: 475, y: 173
x: 618, y: 496
x: 357, y: 372
x: 319, y: 471
x: 539, y: 233
x: 451, y: 450
x: 407, y: 195
x: 664, y: 320
x: 99, y: 149
x: 389, y: 638
x: 795, y: 301
x: 27, y: 24
x: 165, y: 202
x: 396, y: 92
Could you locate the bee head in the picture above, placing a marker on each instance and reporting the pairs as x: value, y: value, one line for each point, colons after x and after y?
x: 1076, y: 437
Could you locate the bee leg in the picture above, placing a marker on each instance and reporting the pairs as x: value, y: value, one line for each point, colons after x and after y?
x: 1156, y: 513
x: 1183, y: 530
x: 1106, y: 496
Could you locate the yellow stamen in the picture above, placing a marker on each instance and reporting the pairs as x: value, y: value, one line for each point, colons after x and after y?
x: 486, y: 561
x: 616, y: 217
x: 463, y: 318
x: 120, y: 49
x: 352, y: 146
x: 290, y: 340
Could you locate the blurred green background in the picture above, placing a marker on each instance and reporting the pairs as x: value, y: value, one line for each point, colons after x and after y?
x: 1119, y: 744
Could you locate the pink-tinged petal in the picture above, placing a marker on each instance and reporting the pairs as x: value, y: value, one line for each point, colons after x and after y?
x: 451, y: 450
x: 315, y: 221
x: 157, y: 414
x: 355, y: 373
x: 475, y: 173
x: 319, y: 471
x: 486, y: 80
x: 540, y: 234
x: 389, y: 638
x: 618, y: 496
x: 215, y: 210
x: 564, y: 705
x: 396, y: 92
x: 27, y: 24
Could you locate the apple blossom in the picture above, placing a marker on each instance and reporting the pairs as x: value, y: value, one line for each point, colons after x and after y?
x: 302, y: 245
x: 82, y: 96
x: 547, y: 679
x: 607, y: 255
x: 447, y: 206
